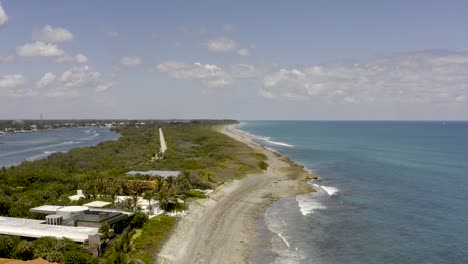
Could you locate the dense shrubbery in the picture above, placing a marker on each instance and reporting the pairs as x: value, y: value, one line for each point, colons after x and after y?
x: 263, y: 165
x: 196, y: 194
x: 48, y: 248
x: 139, y: 220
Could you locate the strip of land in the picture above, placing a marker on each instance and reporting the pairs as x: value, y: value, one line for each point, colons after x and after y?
x: 220, y: 229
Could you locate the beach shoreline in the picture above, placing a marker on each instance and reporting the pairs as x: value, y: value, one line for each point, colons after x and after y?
x: 224, y: 227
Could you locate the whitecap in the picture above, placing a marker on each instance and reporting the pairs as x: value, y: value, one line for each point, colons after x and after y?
x: 330, y: 190
x: 308, y: 205
x: 280, y: 143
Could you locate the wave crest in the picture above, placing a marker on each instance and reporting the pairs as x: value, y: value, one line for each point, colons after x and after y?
x: 308, y: 205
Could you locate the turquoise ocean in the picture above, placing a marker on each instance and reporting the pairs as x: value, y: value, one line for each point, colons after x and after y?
x: 389, y: 192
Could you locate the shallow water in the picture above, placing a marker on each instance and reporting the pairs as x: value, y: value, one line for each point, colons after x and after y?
x: 18, y: 147
x: 390, y: 192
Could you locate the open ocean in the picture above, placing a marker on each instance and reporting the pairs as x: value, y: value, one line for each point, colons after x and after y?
x: 389, y: 192
x: 18, y: 147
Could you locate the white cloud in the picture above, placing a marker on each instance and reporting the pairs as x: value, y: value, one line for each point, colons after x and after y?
x: 64, y: 59
x: 131, y: 61
x: 3, y: 16
x: 221, y: 44
x: 208, y: 74
x: 39, y: 49
x: 71, y: 82
x: 46, y: 80
x: 243, y: 52
x: 11, y: 81
x: 80, y: 58
x: 53, y: 35
x: 424, y: 77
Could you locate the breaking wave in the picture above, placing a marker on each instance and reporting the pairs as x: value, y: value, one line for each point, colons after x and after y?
x: 283, y: 248
x: 308, y: 204
x: 265, y: 139
x: 327, y: 189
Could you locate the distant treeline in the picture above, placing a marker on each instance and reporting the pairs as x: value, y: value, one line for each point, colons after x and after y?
x: 30, y: 124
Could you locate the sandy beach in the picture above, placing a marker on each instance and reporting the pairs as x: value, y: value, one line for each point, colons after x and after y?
x: 221, y: 229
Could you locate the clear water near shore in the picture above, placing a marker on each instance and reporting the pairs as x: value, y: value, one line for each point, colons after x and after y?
x: 18, y: 147
x: 389, y: 192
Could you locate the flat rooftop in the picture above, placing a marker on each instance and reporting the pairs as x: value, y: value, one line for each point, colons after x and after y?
x: 97, y: 204
x: 155, y: 173
x: 37, y: 228
x: 45, y: 209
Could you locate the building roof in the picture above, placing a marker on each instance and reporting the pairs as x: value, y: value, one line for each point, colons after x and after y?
x: 97, y: 204
x: 155, y: 173
x: 45, y: 209
x: 17, y: 261
x: 37, y: 229
x: 76, y: 197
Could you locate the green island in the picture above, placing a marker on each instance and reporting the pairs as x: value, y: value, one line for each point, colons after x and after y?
x: 205, y: 157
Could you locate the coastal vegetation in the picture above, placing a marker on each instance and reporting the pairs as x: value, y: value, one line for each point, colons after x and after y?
x: 205, y: 157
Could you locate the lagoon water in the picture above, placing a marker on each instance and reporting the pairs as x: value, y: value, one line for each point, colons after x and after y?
x: 389, y: 192
x: 18, y: 147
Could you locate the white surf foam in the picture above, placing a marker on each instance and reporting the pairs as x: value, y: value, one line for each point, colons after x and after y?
x: 281, y: 246
x: 263, y: 138
x: 308, y: 205
x: 330, y: 190
x: 280, y: 234
x: 279, y: 143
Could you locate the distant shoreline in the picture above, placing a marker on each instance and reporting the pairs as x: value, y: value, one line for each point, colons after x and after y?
x: 222, y: 229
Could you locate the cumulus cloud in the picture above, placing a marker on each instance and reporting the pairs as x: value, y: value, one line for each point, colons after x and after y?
x: 3, y: 16
x: 71, y: 82
x: 131, y: 61
x: 225, y: 45
x: 209, y: 75
x: 53, y: 35
x: 39, y: 49
x: 12, y: 81
x: 422, y: 77
x: 80, y: 58
x: 221, y: 44
x: 46, y: 80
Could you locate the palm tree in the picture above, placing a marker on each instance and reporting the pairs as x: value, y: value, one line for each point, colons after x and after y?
x: 105, y: 231
x: 120, y: 249
x: 149, y: 196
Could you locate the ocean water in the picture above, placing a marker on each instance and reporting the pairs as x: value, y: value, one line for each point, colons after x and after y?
x: 389, y: 192
x: 18, y: 147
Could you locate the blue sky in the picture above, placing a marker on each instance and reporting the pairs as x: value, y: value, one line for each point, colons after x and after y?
x: 234, y: 59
